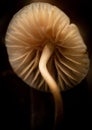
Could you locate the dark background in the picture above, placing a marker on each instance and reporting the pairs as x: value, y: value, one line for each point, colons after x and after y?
x: 25, y: 108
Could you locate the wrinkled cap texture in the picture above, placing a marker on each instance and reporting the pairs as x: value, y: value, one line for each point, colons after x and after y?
x: 30, y: 30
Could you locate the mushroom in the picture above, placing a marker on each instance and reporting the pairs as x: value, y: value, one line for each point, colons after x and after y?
x: 46, y: 51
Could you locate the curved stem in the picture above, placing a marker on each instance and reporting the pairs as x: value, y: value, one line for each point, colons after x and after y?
x: 46, y: 54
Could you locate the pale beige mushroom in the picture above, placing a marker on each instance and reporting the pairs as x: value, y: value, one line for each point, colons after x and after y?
x: 46, y: 50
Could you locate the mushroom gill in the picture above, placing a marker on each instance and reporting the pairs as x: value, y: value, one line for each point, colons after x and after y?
x: 46, y: 51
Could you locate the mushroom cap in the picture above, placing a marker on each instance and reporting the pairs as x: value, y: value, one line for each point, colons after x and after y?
x: 30, y: 30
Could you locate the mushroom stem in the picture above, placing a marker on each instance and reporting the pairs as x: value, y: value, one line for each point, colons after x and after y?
x: 46, y: 54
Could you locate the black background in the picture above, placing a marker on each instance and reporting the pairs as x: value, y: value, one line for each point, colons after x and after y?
x: 25, y: 108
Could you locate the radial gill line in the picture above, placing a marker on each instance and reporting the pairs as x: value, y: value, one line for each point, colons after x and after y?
x: 46, y: 54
